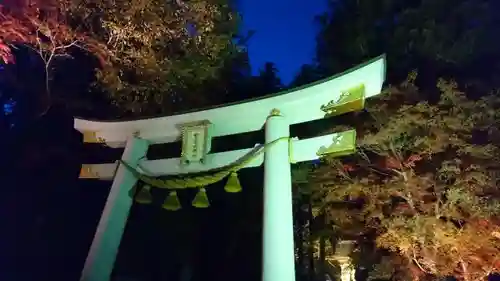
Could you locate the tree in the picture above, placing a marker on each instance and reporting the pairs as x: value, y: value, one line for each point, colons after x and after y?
x: 146, y: 49
x: 424, y: 184
x: 440, y: 38
x: 268, y: 79
x: 421, y: 196
x: 237, y: 82
x: 5, y: 53
x: 307, y: 74
x: 232, y: 79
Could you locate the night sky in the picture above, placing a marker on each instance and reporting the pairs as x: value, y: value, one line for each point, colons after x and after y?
x: 285, y: 32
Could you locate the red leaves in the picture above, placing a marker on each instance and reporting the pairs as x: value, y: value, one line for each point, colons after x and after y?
x: 48, y: 32
x: 394, y: 163
x: 17, y: 29
x: 349, y: 168
x: 5, y: 53
x: 483, y: 223
x: 497, y: 264
x: 404, y: 206
x: 410, y: 162
x: 415, y: 272
x: 388, y: 163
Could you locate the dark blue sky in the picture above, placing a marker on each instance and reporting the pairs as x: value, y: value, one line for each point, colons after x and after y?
x: 285, y: 32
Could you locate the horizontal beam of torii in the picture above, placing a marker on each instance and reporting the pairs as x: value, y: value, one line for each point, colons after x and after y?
x: 332, y: 96
x: 300, y: 105
x: 301, y: 151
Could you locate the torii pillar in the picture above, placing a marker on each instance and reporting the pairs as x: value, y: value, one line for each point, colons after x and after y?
x: 278, y: 248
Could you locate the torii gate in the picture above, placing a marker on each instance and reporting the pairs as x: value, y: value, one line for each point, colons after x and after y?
x: 332, y: 96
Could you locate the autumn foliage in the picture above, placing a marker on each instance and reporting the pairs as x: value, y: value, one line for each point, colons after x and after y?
x: 5, y: 53
x: 45, y: 26
x: 425, y: 182
x: 145, y: 48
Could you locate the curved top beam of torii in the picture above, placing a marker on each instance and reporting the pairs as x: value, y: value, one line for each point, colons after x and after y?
x: 299, y: 105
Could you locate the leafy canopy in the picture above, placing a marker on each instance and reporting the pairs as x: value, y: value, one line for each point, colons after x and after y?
x: 452, y: 37
x: 145, y: 48
x: 424, y: 182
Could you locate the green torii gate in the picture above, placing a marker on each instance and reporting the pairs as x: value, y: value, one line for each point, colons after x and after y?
x: 330, y: 97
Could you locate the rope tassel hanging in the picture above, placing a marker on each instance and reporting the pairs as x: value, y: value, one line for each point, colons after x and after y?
x: 144, y: 195
x: 201, y: 199
x: 233, y: 183
x: 204, y: 180
x: 172, y: 202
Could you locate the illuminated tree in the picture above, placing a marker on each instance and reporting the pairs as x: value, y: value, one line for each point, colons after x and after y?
x: 447, y: 39
x: 145, y: 48
x: 424, y: 183
x: 5, y: 53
